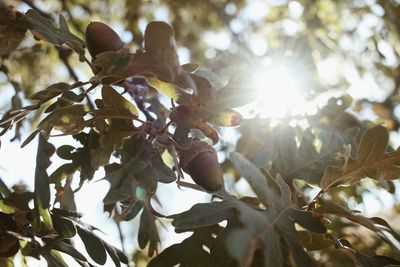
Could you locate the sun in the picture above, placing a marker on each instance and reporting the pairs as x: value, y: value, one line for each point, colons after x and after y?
x: 278, y: 92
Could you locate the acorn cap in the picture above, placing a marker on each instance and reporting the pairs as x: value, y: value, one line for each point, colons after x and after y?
x: 200, y: 161
x: 101, y: 38
x: 196, y: 147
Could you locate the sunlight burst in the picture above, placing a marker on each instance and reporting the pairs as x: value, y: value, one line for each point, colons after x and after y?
x: 279, y: 92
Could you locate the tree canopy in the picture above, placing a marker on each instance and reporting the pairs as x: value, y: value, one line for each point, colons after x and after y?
x: 283, y: 115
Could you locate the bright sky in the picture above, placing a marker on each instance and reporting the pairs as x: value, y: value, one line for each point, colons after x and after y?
x: 278, y: 87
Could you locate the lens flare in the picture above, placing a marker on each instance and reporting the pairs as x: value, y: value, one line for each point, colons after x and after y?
x: 278, y: 92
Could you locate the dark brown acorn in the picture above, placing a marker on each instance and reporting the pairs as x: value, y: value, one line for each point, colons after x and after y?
x: 201, y: 163
x: 101, y: 38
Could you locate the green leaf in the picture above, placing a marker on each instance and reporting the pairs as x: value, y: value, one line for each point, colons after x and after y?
x: 307, y: 221
x: 133, y: 211
x: 64, y: 152
x: 114, y: 66
x: 148, y: 233
x: 331, y: 207
x: 43, y: 28
x: 375, y: 224
x: 273, y: 225
x: 68, y: 120
x: 142, y: 167
x: 116, y: 255
x: 30, y: 138
x: 252, y: 174
x: 189, y: 252
x: 116, y: 104
x: 312, y: 241
x: 372, y: 161
x: 383, y: 225
x: 62, y: 173
x: 68, y: 249
x: 42, y: 188
x: 202, y: 215
x: 66, y: 197
x: 4, y: 190
x: 93, y: 244
x: 64, y: 227
x: 126, y: 180
x: 113, y: 254
x: 363, y: 260
x: 170, y: 90
x: 53, y: 258
x: 51, y: 92
x: 160, y: 47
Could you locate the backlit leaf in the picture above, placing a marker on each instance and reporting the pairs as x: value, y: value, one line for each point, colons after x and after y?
x: 170, y: 90
x: 226, y: 118
x: 372, y: 161
x: 115, y: 105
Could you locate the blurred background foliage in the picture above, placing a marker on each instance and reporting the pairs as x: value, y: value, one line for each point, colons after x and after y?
x: 346, y: 54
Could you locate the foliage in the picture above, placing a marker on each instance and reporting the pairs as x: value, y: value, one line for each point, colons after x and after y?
x: 149, y: 112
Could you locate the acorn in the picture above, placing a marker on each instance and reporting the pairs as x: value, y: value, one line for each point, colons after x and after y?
x: 101, y: 38
x: 201, y: 163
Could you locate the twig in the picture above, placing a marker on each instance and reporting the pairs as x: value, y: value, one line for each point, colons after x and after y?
x: 121, y: 235
x: 190, y: 185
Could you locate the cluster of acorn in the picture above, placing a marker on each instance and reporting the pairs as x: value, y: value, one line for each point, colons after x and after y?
x: 200, y: 159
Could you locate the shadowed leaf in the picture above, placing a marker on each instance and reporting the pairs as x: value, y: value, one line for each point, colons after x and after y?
x: 252, y: 174
x: 94, y: 246
x: 202, y: 215
x: 44, y: 28
x: 313, y: 241
x: 148, y: 233
x: 51, y: 92
x: 68, y: 120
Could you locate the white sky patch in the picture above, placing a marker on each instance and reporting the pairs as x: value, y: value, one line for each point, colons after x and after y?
x: 255, y: 10
x: 218, y: 40
x: 366, y: 87
x: 236, y: 25
x: 184, y: 55
x: 328, y: 70
x: 161, y: 13
x: 387, y: 51
x: 295, y: 9
x: 258, y: 44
